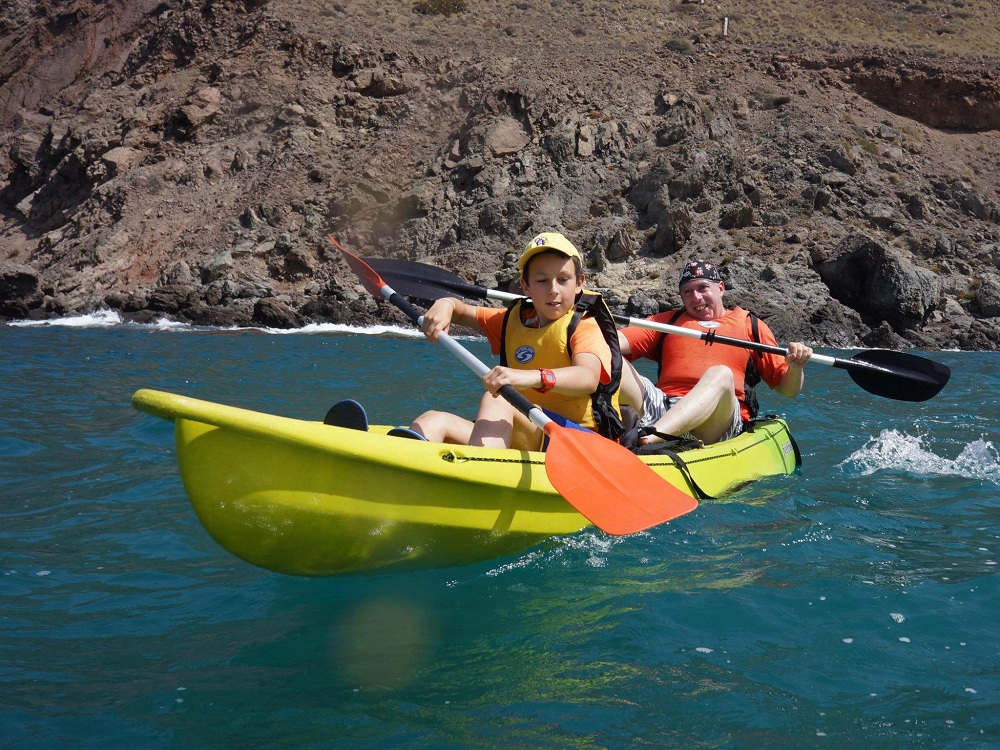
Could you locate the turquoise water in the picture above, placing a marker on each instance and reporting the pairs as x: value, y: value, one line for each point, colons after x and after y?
x: 853, y: 605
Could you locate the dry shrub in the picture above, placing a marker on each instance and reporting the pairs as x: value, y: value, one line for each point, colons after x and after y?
x: 440, y: 7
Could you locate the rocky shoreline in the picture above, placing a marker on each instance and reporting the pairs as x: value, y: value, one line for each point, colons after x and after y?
x: 196, y: 170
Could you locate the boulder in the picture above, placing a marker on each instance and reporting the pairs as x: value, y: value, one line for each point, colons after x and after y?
x: 506, y: 136
x: 880, y: 282
x: 172, y: 298
x: 987, y: 299
x: 120, y: 160
x: 673, y: 230
x: 17, y: 281
x: 272, y: 313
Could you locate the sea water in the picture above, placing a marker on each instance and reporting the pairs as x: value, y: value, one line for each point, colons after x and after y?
x: 852, y: 605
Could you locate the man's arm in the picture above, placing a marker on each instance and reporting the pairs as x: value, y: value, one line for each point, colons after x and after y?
x: 791, y: 382
x: 625, y: 346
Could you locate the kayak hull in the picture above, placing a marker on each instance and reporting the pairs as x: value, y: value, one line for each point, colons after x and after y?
x: 305, y: 498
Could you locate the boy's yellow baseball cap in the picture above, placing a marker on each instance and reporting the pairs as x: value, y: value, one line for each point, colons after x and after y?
x: 547, y: 241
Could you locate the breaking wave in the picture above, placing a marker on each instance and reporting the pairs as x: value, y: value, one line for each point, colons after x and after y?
x: 111, y: 319
x: 898, y: 451
x: 98, y: 319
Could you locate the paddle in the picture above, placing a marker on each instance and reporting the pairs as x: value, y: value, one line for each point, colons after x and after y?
x: 603, y: 480
x: 886, y: 373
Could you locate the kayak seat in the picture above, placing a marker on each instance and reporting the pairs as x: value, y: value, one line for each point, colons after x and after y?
x: 406, y: 432
x: 347, y: 413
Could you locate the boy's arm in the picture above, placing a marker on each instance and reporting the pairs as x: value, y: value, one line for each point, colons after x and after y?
x: 578, y: 379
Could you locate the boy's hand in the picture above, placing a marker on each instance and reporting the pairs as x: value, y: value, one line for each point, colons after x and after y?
x: 498, y: 377
x: 437, y: 319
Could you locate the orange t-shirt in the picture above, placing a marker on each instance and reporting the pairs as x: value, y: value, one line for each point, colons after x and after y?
x: 684, y: 360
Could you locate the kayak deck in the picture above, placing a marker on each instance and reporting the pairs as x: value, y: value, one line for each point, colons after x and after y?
x: 306, y: 498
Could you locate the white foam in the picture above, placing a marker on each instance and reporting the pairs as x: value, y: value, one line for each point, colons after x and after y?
x: 377, y: 330
x: 899, y: 451
x: 111, y: 319
x: 96, y: 319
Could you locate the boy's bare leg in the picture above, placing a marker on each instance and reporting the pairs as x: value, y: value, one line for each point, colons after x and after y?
x: 443, y: 427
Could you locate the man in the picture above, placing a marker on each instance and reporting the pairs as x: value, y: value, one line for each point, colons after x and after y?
x: 705, y: 391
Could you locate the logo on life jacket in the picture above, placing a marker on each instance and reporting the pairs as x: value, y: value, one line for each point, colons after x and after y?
x: 709, y: 323
x: 524, y: 354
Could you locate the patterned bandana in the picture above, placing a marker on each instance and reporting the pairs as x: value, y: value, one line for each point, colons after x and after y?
x: 699, y: 269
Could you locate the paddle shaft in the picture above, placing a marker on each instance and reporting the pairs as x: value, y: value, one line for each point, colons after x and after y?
x: 436, y: 282
x: 708, y: 337
x: 508, y: 392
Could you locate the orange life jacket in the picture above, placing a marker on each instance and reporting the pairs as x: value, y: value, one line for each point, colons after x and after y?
x: 688, y: 358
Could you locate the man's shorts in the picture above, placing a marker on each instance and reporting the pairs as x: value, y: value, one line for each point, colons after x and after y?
x: 655, y: 403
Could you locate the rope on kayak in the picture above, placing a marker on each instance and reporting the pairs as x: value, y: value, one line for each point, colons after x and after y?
x: 676, y: 460
x: 686, y: 473
x: 452, y: 458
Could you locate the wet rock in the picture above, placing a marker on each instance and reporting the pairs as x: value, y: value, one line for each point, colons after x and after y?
x: 884, y: 337
x: 172, y: 298
x: 272, y: 313
x: 218, y: 317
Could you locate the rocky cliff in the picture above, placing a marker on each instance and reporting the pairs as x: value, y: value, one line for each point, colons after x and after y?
x: 187, y: 159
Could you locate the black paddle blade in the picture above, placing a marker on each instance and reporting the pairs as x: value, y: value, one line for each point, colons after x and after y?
x: 896, y: 375
x: 423, y: 282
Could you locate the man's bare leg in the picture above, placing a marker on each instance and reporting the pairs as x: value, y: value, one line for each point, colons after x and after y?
x: 707, y: 411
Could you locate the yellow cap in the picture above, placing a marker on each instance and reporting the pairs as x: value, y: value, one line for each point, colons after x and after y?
x: 547, y: 241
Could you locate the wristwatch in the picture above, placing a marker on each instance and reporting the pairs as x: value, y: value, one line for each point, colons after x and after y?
x: 548, y: 380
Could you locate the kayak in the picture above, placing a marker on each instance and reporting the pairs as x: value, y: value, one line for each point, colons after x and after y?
x: 306, y: 498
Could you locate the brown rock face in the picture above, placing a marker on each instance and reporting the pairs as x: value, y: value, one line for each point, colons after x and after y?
x: 189, y: 157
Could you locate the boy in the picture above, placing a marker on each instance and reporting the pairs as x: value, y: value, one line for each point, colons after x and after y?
x: 542, y: 356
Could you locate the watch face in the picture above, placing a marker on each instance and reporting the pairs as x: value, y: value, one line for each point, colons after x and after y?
x: 548, y: 378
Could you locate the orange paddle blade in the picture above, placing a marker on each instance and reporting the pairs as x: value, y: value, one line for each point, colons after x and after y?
x: 367, y: 275
x: 609, y: 484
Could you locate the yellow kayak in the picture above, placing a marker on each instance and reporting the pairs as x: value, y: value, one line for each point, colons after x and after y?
x: 306, y: 498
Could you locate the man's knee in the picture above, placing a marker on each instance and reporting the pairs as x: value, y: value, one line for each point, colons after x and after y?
x: 720, y: 376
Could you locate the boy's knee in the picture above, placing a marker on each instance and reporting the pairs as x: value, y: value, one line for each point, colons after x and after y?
x: 427, y: 419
